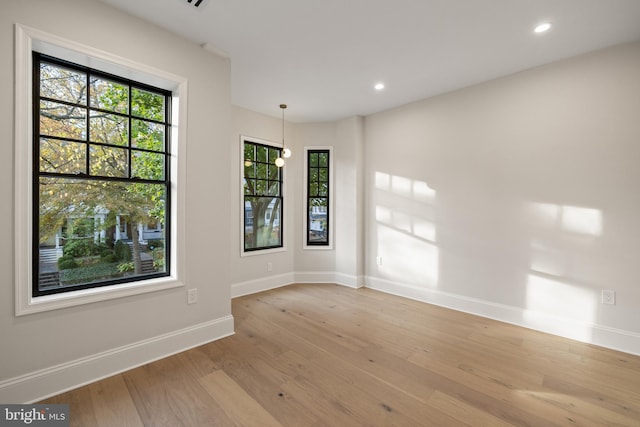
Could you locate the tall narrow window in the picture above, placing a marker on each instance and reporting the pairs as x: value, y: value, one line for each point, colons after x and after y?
x: 100, y: 178
x: 262, y: 188
x: 318, y: 192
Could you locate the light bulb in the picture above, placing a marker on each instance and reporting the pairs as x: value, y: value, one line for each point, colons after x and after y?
x: 279, y: 162
x: 541, y: 28
x: 286, y: 153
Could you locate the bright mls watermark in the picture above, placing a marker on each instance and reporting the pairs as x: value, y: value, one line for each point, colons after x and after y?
x: 34, y: 415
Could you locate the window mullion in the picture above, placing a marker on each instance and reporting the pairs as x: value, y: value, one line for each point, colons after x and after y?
x: 87, y: 135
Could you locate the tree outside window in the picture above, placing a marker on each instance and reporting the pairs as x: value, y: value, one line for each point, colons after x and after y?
x: 262, y: 200
x: 100, y: 178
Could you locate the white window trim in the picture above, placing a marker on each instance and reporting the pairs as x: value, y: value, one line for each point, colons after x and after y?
x: 305, y: 219
x: 285, y: 226
x: 26, y: 40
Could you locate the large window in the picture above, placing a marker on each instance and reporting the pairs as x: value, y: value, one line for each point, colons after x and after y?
x: 318, y: 192
x: 262, y: 196
x: 101, y: 184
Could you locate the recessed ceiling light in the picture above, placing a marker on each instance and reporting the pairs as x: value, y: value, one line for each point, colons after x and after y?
x: 542, y: 27
x: 379, y: 86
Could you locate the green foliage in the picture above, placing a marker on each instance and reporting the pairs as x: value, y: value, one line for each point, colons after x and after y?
x: 77, y: 248
x: 126, y: 267
x: 62, y: 197
x: 90, y: 273
x: 108, y: 257
x: 122, y: 251
x: 159, y: 259
x: 67, y: 262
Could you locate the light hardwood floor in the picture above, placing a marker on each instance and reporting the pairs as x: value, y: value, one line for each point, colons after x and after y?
x: 326, y: 355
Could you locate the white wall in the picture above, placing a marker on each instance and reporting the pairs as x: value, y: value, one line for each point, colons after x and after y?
x: 44, y: 353
x: 516, y: 199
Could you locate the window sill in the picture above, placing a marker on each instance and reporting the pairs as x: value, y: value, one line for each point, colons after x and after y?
x: 29, y: 305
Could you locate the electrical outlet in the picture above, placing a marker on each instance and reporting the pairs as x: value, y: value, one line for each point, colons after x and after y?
x: 192, y: 296
x: 608, y: 297
x: 379, y: 260
x: 269, y: 266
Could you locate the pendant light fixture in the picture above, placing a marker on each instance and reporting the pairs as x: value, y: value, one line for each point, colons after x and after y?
x: 286, y: 153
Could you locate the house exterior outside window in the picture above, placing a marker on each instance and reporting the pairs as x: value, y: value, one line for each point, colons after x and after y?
x: 262, y: 199
x: 100, y: 178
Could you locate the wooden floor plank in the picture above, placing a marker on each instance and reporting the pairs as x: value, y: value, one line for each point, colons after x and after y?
x: 112, y: 403
x: 236, y: 403
x: 326, y: 355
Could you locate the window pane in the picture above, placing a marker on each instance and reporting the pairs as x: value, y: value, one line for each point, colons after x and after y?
x: 62, y: 156
x: 318, y: 220
x: 261, y: 154
x: 249, y: 186
x: 323, y: 189
x: 313, y: 189
x: 249, y: 169
x: 249, y: 152
x: 147, y: 105
x: 63, y: 84
x: 147, y: 135
x: 262, y: 171
x: 274, y: 153
x: 108, y: 161
x: 62, y: 120
x: 108, y: 128
x: 147, y: 165
x: 313, y: 160
x: 262, y: 222
x: 323, y: 160
x: 313, y: 175
x: 274, y: 188
x: 108, y: 95
x: 262, y: 187
x: 323, y: 175
x: 274, y: 171
x: 86, y: 235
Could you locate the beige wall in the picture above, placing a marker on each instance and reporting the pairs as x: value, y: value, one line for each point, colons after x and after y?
x: 516, y: 199
x: 41, y: 341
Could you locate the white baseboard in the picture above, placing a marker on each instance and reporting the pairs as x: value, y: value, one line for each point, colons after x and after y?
x: 615, y: 339
x: 349, y: 280
x: 329, y: 277
x: 262, y: 284
x: 47, y: 382
x: 278, y: 281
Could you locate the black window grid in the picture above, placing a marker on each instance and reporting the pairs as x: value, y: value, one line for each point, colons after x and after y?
x: 38, y: 59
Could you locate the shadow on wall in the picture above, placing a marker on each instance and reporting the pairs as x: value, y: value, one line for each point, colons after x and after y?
x: 558, y: 280
x: 405, y: 214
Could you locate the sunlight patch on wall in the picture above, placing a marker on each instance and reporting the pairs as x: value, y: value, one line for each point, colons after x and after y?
x: 407, y: 250
x: 550, y: 298
x: 406, y: 259
x: 405, y: 187
x: 582, y: 220
x: 572, y: 219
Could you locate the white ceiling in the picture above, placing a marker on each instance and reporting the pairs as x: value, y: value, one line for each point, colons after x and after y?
x: 322, y: 57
